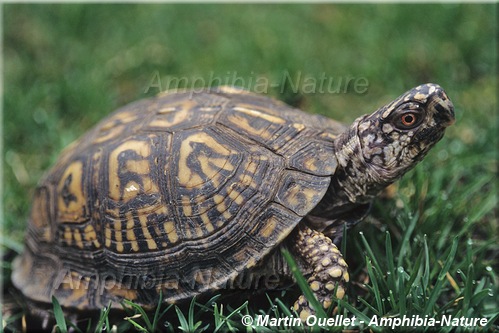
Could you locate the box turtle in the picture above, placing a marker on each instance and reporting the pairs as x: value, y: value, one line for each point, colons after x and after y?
x: 185, y: 193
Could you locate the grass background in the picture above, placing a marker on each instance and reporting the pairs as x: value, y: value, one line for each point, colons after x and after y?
x: 66, y: 66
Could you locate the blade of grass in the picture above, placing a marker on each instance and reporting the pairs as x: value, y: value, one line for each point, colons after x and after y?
x: 184, y: 324
x: 59, y: 316
x: 284, y: 308
x: 302, y: 283
x: 426, y: 272
x: 392, y: 300
x: 11, y: 244
x: 137, y: 326
x: 190, y: 318
x: 468, y: 289
x: 405, y: 243
x: 103, y: 319
x: 369, y: 306
x: 402, y: 294
x: 138, y: 309
x: 370, y: 253
x: 389, y: 260
x: 157, y: 316
x: 376, y: 291
x: 415, y: 273
x: 225, y: 320
x: 440, y: 279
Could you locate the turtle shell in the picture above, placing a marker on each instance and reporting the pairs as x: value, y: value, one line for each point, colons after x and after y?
x: 175, y: 194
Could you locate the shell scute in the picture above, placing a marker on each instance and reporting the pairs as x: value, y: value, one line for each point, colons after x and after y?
x: 315, y: 157
x: 257, y: 124
x: 298, y: 191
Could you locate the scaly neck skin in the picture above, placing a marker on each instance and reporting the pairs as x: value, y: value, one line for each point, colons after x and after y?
x: 354, y: 181
x: 353, y: 187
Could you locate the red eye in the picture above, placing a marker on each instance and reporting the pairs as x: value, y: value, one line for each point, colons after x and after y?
x: 408, y: 119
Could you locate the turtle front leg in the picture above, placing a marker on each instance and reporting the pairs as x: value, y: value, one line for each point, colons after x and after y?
x: 329, y: 269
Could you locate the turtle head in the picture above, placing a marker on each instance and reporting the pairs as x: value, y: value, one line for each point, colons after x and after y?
x: 397, y: 136
x: 379, y: 148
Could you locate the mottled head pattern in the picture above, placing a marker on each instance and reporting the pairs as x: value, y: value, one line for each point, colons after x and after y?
x: 381, y: 147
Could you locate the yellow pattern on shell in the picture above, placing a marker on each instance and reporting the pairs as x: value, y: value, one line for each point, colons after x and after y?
x: 171, y: 232
x: 72, y: 199
x: 130, y: 233
x: 190, y: 178
x: 142, y: 167
x: 151, y: 244
x: 90, y: 236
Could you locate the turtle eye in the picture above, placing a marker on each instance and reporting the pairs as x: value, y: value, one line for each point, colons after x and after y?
x: 408, y: 120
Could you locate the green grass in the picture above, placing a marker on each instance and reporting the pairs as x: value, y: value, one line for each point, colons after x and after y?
x: 430, y: 248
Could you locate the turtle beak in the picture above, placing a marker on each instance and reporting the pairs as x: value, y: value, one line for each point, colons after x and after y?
x: 444, y: 109
x: 449, y: 117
